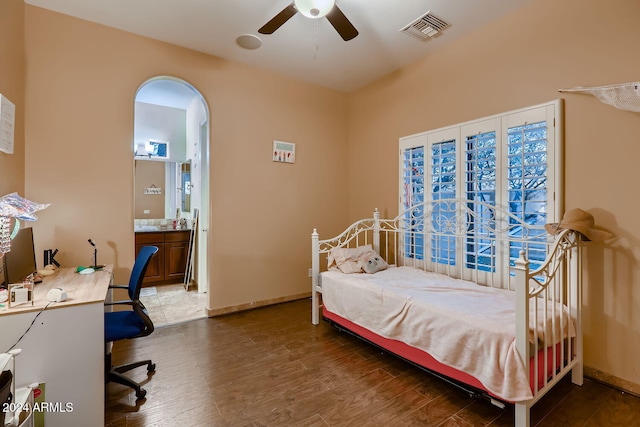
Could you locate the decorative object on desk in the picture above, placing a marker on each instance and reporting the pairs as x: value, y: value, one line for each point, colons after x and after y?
x: 20, y: 293
x: 284, y: 152
x: 624, y: 96
x: 85, y: 270
x: 56, y: 295
x: 49, y: 259
x: 95, y: 252
x: 18, y: 208
x: 95, y: 265
x: 48, y: 270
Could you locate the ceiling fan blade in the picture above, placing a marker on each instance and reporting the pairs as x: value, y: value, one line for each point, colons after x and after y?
x: 277, y: 21
x: 342, y: 25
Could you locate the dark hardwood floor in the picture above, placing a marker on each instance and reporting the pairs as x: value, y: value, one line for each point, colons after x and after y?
x: 271, y: 367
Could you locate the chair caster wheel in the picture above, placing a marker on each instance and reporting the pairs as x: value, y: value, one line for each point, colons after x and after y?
x: 151, y: 367
x: 141, y: 394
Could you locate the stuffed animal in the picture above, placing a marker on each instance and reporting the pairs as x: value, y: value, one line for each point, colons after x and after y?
x: 371, y: 262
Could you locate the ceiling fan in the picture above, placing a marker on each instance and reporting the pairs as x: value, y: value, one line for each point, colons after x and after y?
x: 313, y: 9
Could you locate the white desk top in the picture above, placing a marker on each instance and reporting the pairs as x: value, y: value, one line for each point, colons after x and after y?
x: 80, y: 289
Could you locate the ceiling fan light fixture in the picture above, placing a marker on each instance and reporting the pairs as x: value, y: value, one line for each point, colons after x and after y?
x: 314, y: 8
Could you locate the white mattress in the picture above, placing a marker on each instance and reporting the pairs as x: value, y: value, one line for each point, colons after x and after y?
x: 461, y: 324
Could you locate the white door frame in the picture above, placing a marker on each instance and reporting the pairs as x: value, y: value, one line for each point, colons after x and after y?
x: 202, y: 274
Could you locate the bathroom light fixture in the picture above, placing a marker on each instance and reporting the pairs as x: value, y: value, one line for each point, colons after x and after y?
x: 314, y: 8
x: 148, y: 148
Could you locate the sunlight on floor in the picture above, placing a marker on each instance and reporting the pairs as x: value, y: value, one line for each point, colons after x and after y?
x: 170, y: 304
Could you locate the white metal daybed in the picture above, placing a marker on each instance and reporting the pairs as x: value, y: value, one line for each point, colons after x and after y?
x: 459, y: 296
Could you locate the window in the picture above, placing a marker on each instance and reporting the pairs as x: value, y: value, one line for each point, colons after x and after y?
x: 152, y: 150
x: 509, y: 160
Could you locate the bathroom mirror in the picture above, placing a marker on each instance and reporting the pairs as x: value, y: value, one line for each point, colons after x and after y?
x: 185, y: 186
x: 171, y: 185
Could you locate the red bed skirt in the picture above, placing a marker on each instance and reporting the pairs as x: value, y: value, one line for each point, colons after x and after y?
x: 425, y: 360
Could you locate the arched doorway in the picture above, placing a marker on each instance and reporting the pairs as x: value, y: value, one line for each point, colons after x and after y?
x: 171, y: 164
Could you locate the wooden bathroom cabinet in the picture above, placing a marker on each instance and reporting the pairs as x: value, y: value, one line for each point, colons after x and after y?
x: 169, y: 264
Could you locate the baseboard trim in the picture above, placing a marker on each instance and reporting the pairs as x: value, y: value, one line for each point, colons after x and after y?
x: 613, y: 381
x: 251, y: 305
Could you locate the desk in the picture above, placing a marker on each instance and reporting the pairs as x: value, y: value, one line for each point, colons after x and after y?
x: 65, y: 347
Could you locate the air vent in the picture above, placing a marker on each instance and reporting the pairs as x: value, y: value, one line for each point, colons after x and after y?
x: 426, y: 27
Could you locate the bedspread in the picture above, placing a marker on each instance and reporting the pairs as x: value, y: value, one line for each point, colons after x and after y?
x: 461, y: 324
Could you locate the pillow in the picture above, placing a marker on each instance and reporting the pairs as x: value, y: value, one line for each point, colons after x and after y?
x: 371, y: 262
x: 346, y: 259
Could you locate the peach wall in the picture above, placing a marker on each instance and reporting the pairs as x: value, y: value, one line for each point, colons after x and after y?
x: 81, y: 83
x: 82, y: 78
x: 515, y: 63
x: 12, y: 84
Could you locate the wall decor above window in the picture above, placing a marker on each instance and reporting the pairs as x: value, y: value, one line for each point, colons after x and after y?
x: 624, y: 96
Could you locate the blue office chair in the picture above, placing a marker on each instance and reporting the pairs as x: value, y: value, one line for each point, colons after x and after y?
x: 133, y: 323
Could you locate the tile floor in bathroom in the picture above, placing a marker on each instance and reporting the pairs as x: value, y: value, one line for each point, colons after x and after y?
x: 171, y: 304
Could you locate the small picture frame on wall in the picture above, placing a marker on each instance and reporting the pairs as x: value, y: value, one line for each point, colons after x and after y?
x: 284, y: 152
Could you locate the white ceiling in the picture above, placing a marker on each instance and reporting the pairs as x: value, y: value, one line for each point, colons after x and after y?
x: 303, y: 48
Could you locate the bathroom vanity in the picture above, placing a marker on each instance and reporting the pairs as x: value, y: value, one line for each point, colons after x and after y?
x: 169, y: 264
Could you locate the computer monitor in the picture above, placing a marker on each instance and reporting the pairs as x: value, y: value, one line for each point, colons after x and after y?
x: 20, y: 261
